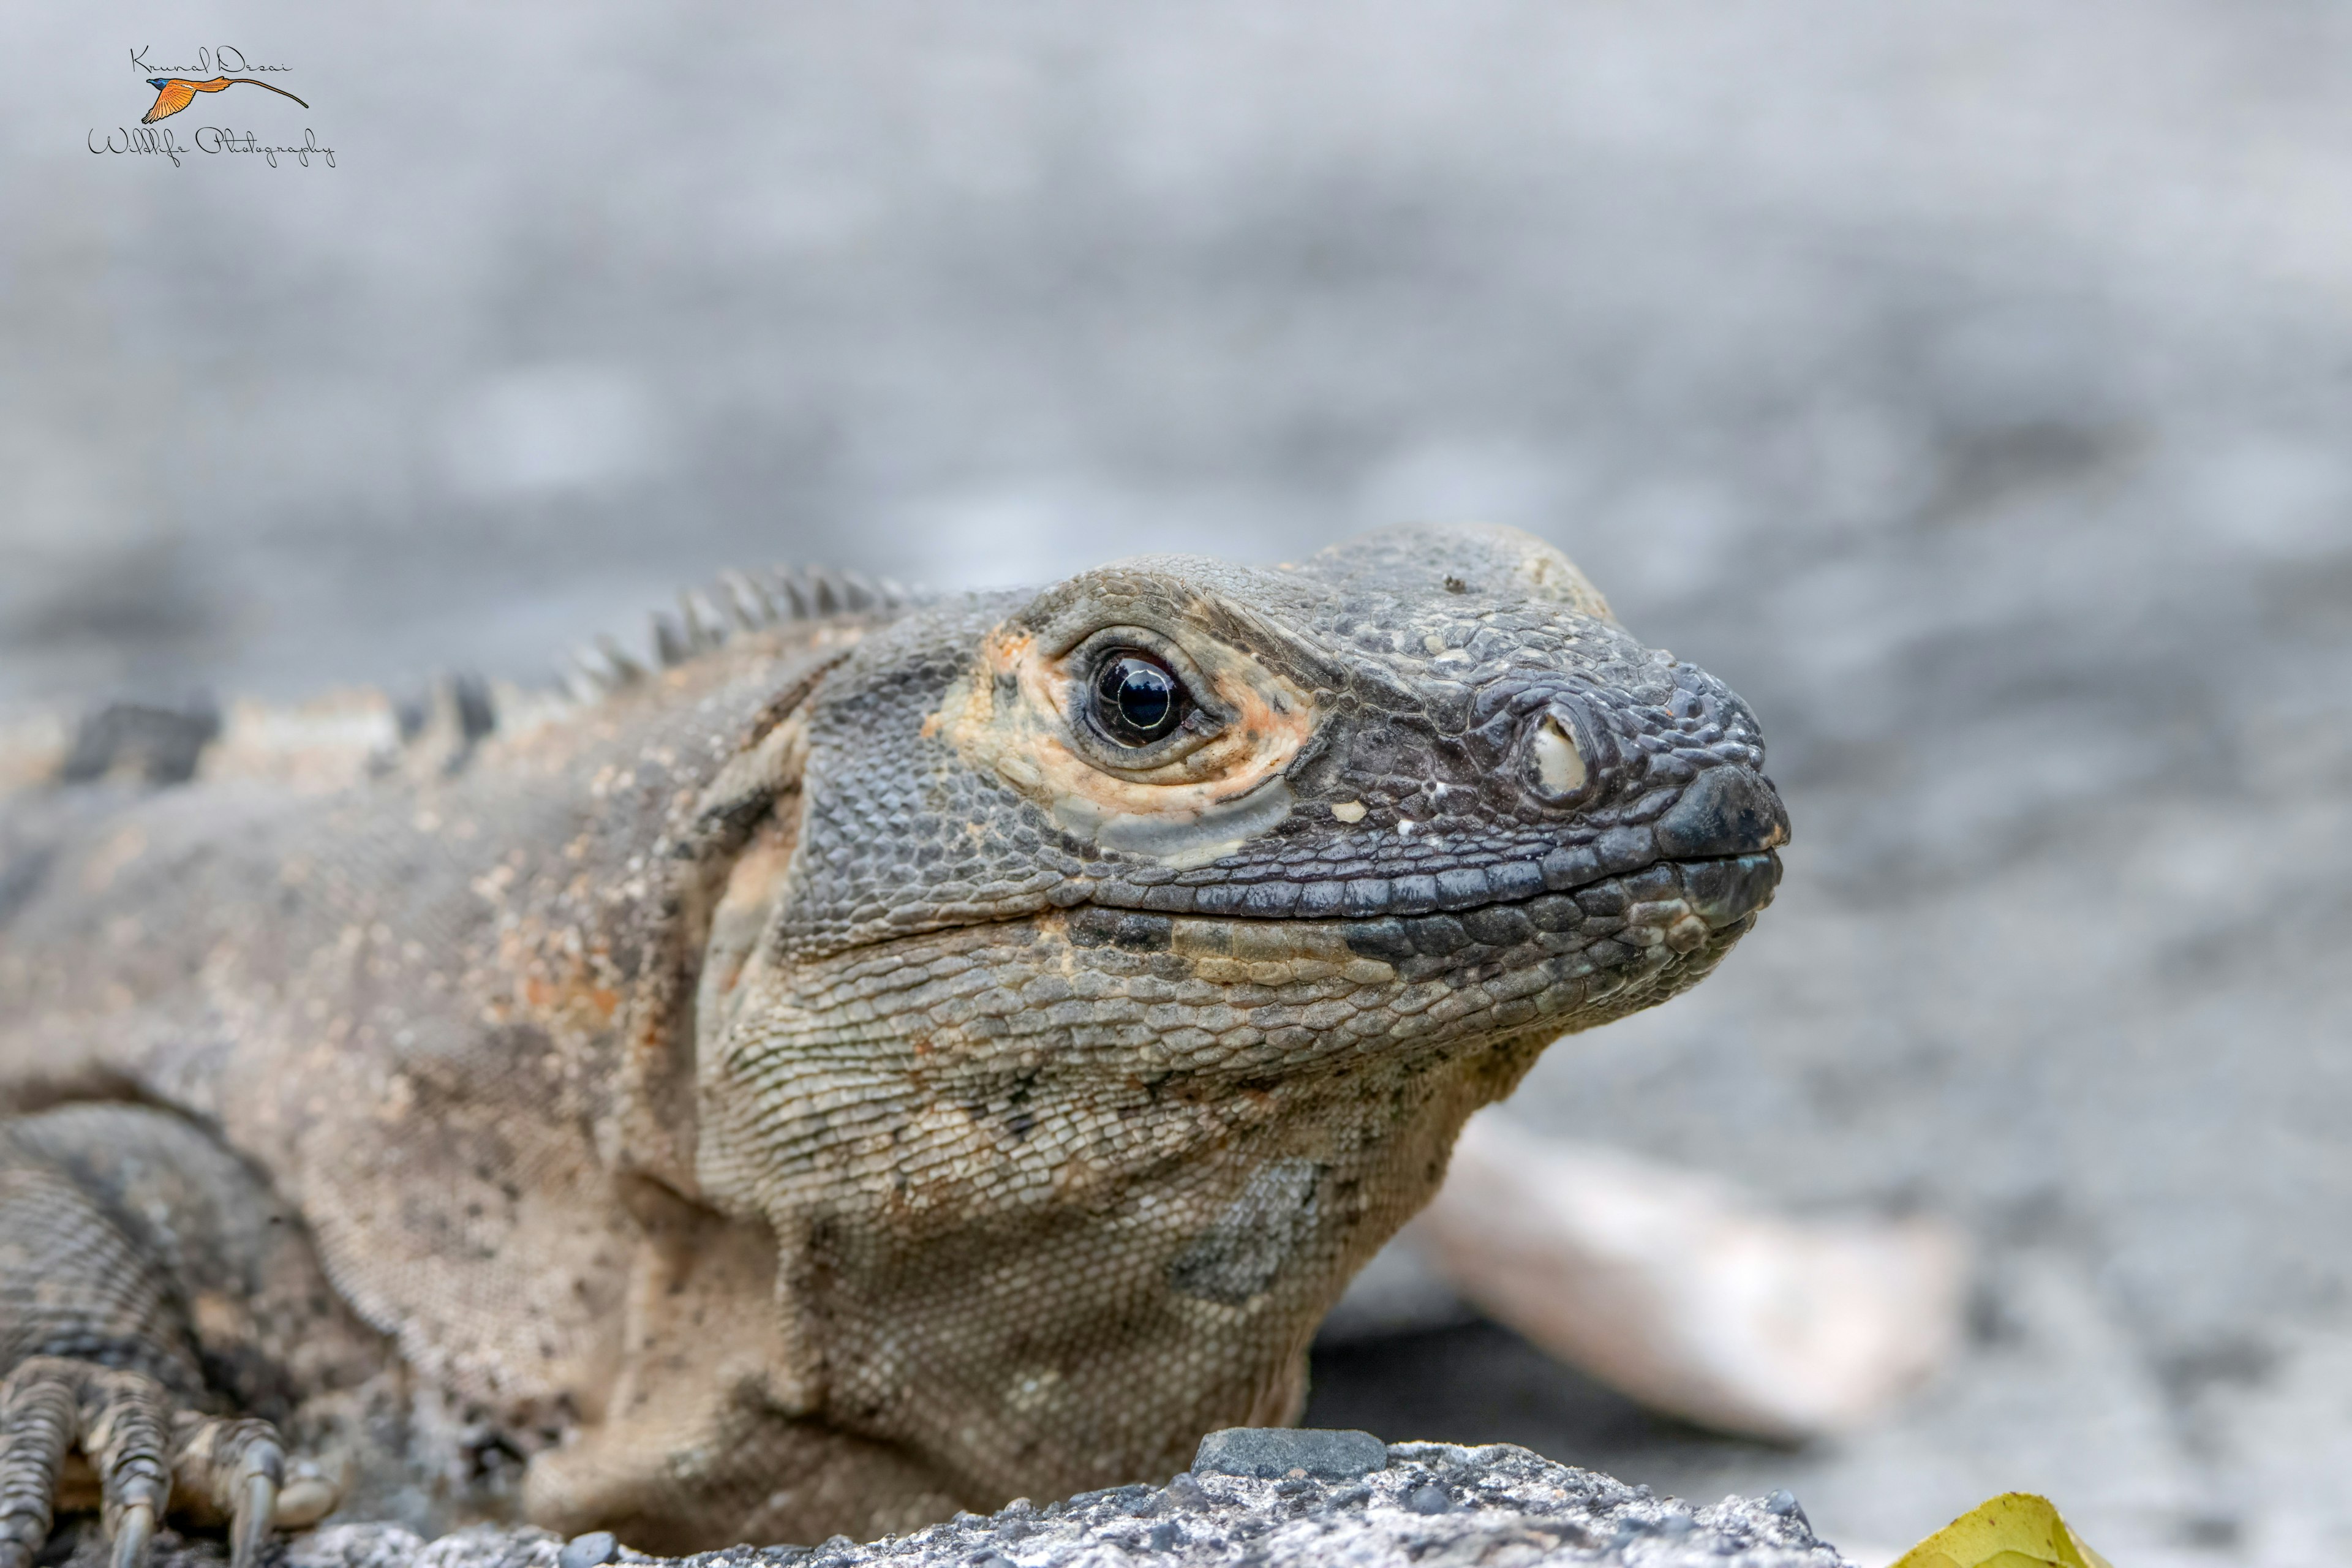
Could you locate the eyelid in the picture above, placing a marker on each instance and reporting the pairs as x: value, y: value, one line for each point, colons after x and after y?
x: 1086, y: 660
x: 1084, y: 664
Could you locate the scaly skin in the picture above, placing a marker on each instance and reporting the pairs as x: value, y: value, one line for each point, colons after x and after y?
x: 839, y: 1080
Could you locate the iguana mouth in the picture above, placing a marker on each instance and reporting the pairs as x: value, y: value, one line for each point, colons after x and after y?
x: 1728, y: 817
x: 1684, y: 902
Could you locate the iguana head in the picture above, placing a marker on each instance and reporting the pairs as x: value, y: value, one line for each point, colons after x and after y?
x: 1431, y: 748
x: 1131, y: 951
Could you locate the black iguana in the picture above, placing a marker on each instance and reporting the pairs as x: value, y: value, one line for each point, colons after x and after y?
x: 875, y: 1062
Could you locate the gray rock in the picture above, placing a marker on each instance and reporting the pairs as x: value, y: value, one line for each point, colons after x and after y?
x: 1507, y: 1506
x: 1272, y: 1453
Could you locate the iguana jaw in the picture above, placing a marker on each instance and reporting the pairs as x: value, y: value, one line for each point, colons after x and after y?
x: 1675, y: 905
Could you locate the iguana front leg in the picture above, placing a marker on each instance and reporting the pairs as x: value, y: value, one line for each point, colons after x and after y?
x: 160, y: 1312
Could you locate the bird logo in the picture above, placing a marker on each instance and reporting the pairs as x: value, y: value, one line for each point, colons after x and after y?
x: 174, y: 93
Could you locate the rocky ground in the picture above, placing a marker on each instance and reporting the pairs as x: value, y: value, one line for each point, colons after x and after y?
x: 1967, y: 383
x: 1334, y: 1500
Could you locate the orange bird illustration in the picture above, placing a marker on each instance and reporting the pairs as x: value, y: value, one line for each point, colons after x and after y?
x: 174, y: 93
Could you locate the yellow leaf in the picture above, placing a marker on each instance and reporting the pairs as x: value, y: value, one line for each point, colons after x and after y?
x: 2015, y: 1529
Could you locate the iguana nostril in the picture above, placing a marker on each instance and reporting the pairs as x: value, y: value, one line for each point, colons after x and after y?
x: 1727, y: 810
x: 1560, y: 766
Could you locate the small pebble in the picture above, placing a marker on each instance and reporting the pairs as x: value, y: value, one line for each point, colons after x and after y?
x: 1271, y: 1453
x: 593, y: 1549
x: 1164, y: 1536
x: 1429, y: 1498
x: 1784, y: 1503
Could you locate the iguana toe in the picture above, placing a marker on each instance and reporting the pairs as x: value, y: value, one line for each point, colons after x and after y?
x: 36, y: 1424
x: 117, y: 1420
x: 151, y: 1458
x: 107, y: 1296
x: 235, y: 1467
x: 124, y: 1418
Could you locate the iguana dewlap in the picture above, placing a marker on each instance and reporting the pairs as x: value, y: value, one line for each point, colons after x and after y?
x: 884, y: 1063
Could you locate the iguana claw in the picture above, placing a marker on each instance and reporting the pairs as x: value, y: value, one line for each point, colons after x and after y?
x: 148, y: 1454
x: 134, y: 1533
x: 236, y: 1466
x: 249, y: 1527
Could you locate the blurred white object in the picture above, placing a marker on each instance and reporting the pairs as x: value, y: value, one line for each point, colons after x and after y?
x: 1676, y: 1289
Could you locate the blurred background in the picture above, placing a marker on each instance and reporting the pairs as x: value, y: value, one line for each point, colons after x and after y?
x: 1968, y: 384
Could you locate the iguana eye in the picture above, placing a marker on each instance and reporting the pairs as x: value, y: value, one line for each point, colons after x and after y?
x: 1138, y: 698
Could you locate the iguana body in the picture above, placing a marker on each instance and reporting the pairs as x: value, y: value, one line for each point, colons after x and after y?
x: 889, y: 1063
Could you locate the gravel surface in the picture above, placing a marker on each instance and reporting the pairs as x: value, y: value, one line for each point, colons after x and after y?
x: 1966, y: 383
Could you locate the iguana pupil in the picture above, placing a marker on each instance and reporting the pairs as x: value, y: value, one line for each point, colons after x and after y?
x: 1141, y: 698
